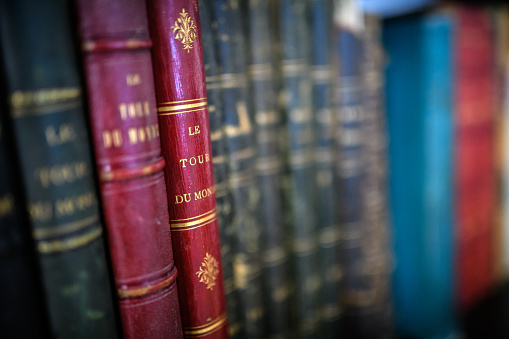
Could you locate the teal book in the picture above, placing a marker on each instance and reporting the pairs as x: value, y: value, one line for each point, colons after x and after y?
x: 269, y: 166
x: 46, y: 111
x: 420, y: 122
x: 230, y: 38
x: 302, y: 231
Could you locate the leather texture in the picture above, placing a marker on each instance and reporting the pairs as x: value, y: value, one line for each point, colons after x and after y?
x: 186, y: 147
x: 47, y: 112
x: 118, y: 69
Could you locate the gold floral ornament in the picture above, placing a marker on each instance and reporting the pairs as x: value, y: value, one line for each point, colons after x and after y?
x: 185, y: 30
x: 208, y: 271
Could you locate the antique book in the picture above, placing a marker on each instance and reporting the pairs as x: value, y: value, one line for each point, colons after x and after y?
x: 294, y: 32
x: 220, y: 163
x: 421, y: 172
x: 231, y: 45
x: 377, y: 320
x: 22, y: 313
x: 47, y: 115
x: 474, y: 153
x: 186, y: 147
x: 324, y: 157
x: 118, y: 71
x: 503, y: 136
x: 269, y: 165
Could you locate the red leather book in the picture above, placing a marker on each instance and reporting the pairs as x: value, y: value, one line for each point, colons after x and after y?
x: 475, y: 167
x: 120, y: 84
x: 185, y: 141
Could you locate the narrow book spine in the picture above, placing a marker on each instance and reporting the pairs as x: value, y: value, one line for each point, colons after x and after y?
x: 356, y: 289
x: 376, y: 247
x: 22, y: 311
x: 294, y: 29
x: 238, y: 121
x: 475, y: 180
x: 220, y: 163
x: 421, y: 171
x: 269, y: 168
x: 327, y: 222
x: 118, y: 69
x: 52, y: 141
x: 186, y: 147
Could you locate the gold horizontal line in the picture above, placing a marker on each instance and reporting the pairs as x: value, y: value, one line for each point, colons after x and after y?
x: 176, y: 102
x: 197, y: 216
x: 68, y: 244
x: 194, y: 222
x: 148, y: 289
x: 175, y: 113
x: 181, y: 107
x: 213, y: 326
x: 65, y: 228
x: 192, y: 228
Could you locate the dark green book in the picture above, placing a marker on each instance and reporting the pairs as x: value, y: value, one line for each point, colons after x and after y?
x: 46, y: 110
x: 220, y: 163
x: 239, y: 132
x: 269, y: 166
x: 302, y: 228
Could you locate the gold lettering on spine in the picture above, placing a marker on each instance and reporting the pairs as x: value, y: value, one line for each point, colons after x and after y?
x: 131, y: 110
x: 6, y: 205
x: 185, y: 30
x: 198, y: 195
x: 200, y: 159
x: 61, y: 174
x: 133, y: 79
x: 63, y: 134
x: 208, y: 271
x: 194, y: 131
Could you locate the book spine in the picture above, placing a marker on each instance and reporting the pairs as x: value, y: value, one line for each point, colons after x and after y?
x: 120, y: 84
x: 52, y: 142
x: 22, y: 311
x: 421, y: 171
x: 220, y: 163
x: 376, y: 248
x: 294, y: 28
x: 356, y: 287
x: 269, y: 168
x: 186, y: 147
x: 238, y: 121
x: 475, y: 179
x: 328, y: 228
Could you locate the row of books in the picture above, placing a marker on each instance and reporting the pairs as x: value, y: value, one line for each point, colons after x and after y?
x: 247, y: 185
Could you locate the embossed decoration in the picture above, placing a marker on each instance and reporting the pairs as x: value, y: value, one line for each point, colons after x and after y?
x: 185, y: 29
x: 208, y: 271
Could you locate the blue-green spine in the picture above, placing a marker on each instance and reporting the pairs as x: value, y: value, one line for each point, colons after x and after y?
x: 294, y: 34
x: 239, y: 132
x: 269, y: 167
x: 52, y: 142
x: 220, y: 163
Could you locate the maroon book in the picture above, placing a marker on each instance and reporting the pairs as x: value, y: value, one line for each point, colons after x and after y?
x: 120, y: 84
x: 475, y: 167
x: 185, y: 140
